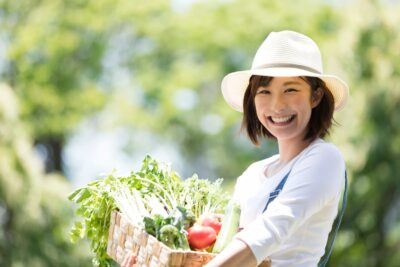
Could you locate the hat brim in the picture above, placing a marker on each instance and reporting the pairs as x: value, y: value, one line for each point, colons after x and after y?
x: 234, y: 84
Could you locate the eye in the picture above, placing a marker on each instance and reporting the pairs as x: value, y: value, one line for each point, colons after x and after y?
x: 290, y: 90
x: 263, y: 92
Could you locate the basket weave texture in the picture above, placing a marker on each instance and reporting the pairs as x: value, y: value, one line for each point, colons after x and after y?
x: 124, y: 237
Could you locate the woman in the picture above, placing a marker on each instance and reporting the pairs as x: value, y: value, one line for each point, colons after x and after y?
x: 286, y: 96
x: 288, y: 201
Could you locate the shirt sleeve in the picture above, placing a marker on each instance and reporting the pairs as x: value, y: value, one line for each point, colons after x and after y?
x: 314, y: 180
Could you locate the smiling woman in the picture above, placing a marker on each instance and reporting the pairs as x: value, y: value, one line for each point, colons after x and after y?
x: 290, y: 200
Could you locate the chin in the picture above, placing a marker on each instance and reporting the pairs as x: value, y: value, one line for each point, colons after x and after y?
x: 286, y: 137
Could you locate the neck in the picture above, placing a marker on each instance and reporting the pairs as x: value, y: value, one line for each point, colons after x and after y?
x: 289, y: 149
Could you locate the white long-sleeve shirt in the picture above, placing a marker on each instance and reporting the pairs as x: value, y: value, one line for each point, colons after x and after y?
x: 294, y: 229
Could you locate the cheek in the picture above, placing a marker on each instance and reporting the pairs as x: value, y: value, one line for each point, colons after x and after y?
x: 260, y: 103
x: 304, y: 105
x: 259, y: 106
x: 306, y: 111
x: 260, y: 116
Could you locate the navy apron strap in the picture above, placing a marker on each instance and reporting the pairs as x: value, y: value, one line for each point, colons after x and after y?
x: 338, y: 223
x: 277, y: 190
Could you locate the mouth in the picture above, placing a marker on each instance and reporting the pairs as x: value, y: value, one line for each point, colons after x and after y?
x: 281, y: 120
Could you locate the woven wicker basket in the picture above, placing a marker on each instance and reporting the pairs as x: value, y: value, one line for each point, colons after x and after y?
x: 124, y: 237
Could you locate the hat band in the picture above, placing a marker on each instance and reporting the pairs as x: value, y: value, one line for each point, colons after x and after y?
x: 289, y: 65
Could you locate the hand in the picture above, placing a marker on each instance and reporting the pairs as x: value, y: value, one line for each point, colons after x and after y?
x: 129, y: 260
x: 236, y: 254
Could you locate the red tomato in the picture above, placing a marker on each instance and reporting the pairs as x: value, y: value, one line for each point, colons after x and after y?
x: 200, y: 236
x: 212, y: 220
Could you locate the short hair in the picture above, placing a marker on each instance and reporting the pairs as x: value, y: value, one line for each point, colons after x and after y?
x: 321, y: 115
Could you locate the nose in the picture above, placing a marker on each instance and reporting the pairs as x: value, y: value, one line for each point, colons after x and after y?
x: 277, y: 104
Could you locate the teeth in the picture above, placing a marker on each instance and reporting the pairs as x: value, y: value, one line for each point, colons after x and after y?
x: 281, y: 119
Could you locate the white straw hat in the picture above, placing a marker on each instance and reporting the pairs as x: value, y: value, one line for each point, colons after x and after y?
x: 283, y: 54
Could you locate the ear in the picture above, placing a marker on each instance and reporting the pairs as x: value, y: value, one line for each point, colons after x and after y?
x: 316, y: 97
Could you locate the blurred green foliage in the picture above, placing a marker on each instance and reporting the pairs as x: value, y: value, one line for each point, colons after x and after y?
x: 157, y: 66
x: 34, y: 214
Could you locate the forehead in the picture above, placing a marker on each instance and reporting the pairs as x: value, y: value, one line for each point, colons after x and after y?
x: 285, y: 81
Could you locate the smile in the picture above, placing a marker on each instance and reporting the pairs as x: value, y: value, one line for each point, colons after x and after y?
x: 281, y: 120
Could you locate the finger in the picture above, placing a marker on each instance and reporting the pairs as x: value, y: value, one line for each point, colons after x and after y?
x: 132, y: 260
x: 126, y: 260
x: 123, y: 263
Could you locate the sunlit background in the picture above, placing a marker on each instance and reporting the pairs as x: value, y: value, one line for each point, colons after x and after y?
x: 90, y: 87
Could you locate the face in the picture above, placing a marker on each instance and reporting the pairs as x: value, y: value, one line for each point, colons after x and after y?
x: 284, y: 107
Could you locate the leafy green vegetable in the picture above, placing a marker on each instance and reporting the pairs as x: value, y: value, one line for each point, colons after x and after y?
x: 171, y: 229
x: 153, y: 197
x: 203, y: 196
x: 168, y: 235
x: 95, y: 205
x: 150, y: 224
